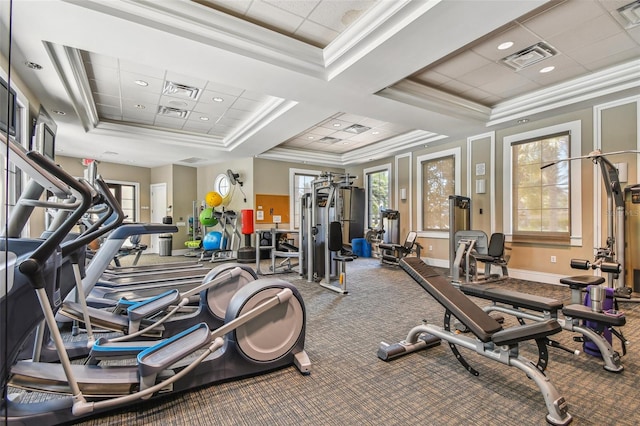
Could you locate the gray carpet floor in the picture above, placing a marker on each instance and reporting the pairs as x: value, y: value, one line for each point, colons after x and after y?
x: 349, y: 385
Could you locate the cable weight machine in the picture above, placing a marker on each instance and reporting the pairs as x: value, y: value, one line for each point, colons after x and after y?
x: 319, y: 208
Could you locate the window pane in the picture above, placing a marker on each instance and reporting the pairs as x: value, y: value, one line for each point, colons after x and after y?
x: 541, y: 196
x: 438, y: 183
x: 378, y: 196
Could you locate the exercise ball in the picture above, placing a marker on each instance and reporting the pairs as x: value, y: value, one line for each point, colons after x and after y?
x: 213, y: 199
x: 207, y: 218
x: 212, y: 241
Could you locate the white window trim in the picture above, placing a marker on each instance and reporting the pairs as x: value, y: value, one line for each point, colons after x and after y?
x: 292, y: 182
x: 456, y: 152
x: 381, y: 168
x: 575, y: 130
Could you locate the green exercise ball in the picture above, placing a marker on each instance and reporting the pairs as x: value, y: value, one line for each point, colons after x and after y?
x: 207, y: 218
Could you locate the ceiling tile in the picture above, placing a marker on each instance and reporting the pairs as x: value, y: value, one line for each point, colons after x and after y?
x: 99, y: 60
x: 514, y: 83
x: 517, y: 34
x: 602, y: 49
x: 237, y: 114
x: 614, y: 59
x: 282, y: 20
x: 109, y: 110
x: 128, y: 79
x: 246, y: 104
x: 317, y: 34
x: 99, y: 73
x: 176, y: 102
x: 462, y: 64
x: 300, y: 8
x: 107, y: 100
x: 485, y: 75
x: 170, y: 122
x: 141, y: 70
x: 221, y: 89
x: 570, y: 14
x: 105, y: 87
x: 339, y: 15
x: 329, y: 124
x: 197, y: 126
x: 576, y: 38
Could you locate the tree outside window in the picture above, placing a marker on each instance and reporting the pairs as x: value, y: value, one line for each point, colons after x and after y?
x: 378, y: 196
x: 541, y: 196
x: 438, y: 184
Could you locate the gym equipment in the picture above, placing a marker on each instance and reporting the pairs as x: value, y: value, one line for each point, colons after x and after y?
x: 207, y: 217
x: 246, y: 253
x: 319, y: 208
x: 150, y: 313
x: 472, y: 247
x: 264, y: 330
x: 213, y: 199
x: 615, y: 248
x: 392, y: 253
x: 491, y: 340
x: 536, y: 308
x: 213, y: 241
x: 133, y: 248
x: 632, y: 232
x: 459, y: 220
x: 278, y: 248
x: 390, y: 223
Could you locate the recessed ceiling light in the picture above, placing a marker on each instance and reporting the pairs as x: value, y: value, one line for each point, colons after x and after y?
x: 204, y: 118
x: 547, y: 69
x: 337, y: 124
x: 505, y: 45
x: 217, y: 99
x: 141, y: 83
x: 523, y: 120
x: 33, y: 65
x: 345, y: 143
x: 57, y: 111
x: 140, y: 106
x: 375, y: 132
x: 310, y: 137
x: 109, y: 153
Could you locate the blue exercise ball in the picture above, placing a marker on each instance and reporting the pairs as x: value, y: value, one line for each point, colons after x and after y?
x: 212, y: 240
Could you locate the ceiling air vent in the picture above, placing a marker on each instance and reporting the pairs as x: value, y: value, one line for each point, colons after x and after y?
x: 182, y: 90
x: 630, y: 14
x: 357, y: 129
x: 529, y: 56
x: 172, y: 112
x: 329, y: 139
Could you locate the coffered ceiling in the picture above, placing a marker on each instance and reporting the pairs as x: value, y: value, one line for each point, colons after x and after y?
x: 318, y: 81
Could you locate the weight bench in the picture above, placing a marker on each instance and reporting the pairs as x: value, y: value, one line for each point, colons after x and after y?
x: 491, y: 340
x: 521, y: 305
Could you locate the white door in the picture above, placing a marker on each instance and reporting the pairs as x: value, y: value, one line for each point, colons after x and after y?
x: 158, y: 211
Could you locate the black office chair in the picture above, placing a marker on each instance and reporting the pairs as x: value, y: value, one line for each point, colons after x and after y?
x: 495, y: 255
x: 392, y: 253
x: 335, y: 246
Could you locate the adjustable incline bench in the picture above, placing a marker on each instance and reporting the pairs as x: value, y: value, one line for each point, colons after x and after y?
x: 491, y: 340
x: 531, y: 307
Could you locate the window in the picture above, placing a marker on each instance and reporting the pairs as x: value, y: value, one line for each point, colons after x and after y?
x: 378, y: 193
x: 541, y: 196
x: 543, y: 203
x: 222, y: 184
x: 299, y: 184
x: 438, y: 178
x: 126, y: 194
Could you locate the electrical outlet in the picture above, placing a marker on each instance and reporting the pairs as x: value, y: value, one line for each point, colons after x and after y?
x: 553, y: 259
x: 430, y: 248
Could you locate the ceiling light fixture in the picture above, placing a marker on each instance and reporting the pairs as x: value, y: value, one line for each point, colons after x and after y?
x: 141, y: 83
x: 57, y: 111
x: 140, y: 106
x: 310, y: 137
x: 375, y: 132
x: 337, y: 124
x: 204, y: 118
x: 172, y: 112
x: 547, y: 69
x: 33, y: 65
x: 505, y: 45
x: 217, y: 99
x: 523, y: 120
x: 357, y: 129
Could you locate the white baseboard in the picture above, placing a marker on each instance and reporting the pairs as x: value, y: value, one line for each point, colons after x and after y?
x: 522, y: 274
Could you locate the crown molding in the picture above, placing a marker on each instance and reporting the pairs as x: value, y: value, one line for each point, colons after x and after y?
x: 68, y: 64
x: 428, y: 98
x: 601, y: 83
x: 385, y: 148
